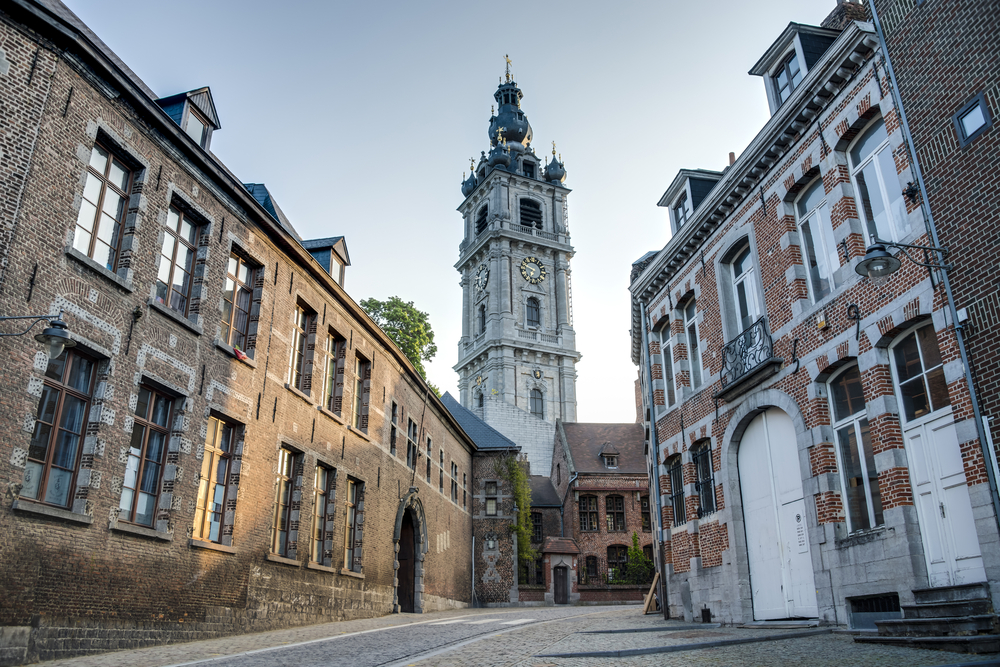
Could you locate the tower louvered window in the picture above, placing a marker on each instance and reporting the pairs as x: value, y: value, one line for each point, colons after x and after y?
x: 531, y: 214
x: 481, y: 220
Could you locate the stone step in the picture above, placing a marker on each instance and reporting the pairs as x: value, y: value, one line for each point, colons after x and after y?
x: 948, y: 609
x: 962, y: 592
x: 974, y: 644
x: 939, y: 627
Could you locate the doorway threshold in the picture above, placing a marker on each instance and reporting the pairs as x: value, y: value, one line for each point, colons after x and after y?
x: 783, y: 624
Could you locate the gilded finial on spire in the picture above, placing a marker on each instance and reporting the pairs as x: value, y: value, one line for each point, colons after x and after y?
x: 553, y: 149
x: 500, y: 138
x: 507, y: 72
x: 492, y: 112
x: 560, y: 158
x: 472, y: 165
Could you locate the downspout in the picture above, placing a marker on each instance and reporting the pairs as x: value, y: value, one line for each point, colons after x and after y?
x: 654, y: 441
x: 569, y: 486
x: 988, y: 456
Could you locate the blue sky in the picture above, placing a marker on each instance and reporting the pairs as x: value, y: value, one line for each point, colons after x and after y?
x: 361, y: 117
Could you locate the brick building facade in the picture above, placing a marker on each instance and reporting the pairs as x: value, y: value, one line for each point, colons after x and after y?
x: 232, y: 444
x: 808, y: 427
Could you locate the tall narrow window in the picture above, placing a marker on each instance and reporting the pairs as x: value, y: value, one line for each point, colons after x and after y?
x: 411, y: 444
x: 676, y: 477
x: 362, y: 386
x: 393, y: 421
x: 701, y: 455
x: 99, y: 223
x: 537, y: 406
x: 143, y: 471
x: 216, y: 464
x: 855, y: 458
x: 454, y: 483
x: 482, y: 319
x: 283, y: 538
x: 297, y: 364
x: 531, y: 213
x: 590, y: 571
x: 533, y: 318
x: 667, y: 366
x: 354, y: 505
x: 336, y: 357
x: 481, y: 220
x: 681, y: 212
x: 429, y: 459
x: 644, y: 509
x: 54, y: 451
x: 745, y: 288
x: 819, y: 248
x: 694, y: 356
x: 237, y: 299
x: 920, y: 373
x: 465, y: 487
x: 787, y: 78
x: 197, y: 127
x: 614, y: 510
x: 617, y: 560
x: 321, y: 492
x: 588, y: 514
x: 177, y: 254
x: 880, y: 198
x: 491, y: 498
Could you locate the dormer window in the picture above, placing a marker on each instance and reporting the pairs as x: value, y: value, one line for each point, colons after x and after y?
x: 197, y: 127
x: 610, y: 461
x: 787, y: 77
x: 529, y: 169
x: 681, y: 211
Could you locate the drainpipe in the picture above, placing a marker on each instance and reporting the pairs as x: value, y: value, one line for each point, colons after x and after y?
x: 988, y: 456
x: 569, y: 487
x: 654, y: 484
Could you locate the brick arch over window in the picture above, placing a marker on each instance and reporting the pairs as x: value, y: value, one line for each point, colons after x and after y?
x: 799, y: 184
x: 891, y: 333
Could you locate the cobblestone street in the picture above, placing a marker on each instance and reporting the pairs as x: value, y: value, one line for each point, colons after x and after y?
x: 527, y: 637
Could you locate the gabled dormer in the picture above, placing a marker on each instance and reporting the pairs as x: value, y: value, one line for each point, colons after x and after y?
x: 195, y: 112
x: 332, y: 255
x: 688, y: 189
x: 785, y: 64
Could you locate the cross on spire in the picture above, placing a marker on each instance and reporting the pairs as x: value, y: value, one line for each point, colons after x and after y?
x: 507, y: 72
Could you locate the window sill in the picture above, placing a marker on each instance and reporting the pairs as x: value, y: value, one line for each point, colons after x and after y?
x: 174, y: 315
x: 351, y: 573
x: 321, y: 568
x: 211, y: 546
x: 30, y: 507
x: 291, y: 562
x: 140, y: 531
x: 228, y: 349
x: 98, y: 269
x: 305, y: 397
x: 531, y: 587
x: 361, y: 434
x: 332, y: 415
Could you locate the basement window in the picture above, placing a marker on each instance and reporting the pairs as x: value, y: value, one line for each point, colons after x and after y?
x: 972, y: 120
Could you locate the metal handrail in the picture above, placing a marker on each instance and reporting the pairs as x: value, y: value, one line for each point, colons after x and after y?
x: 746, y: 352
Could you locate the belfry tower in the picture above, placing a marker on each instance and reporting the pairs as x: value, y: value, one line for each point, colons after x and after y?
x: 518, y: 345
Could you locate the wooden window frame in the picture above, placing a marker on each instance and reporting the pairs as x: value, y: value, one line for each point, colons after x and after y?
x: 242, y: 292
x: 284, y: 538
x: 217, y: 454
x: 844, y: 426
x: 183, y: 217
x: 335, y: 349
x: 354, y: 498
x: 701, y: 457
x: 411, y: 444
x: 301, y: 326
x: 362, y: 392
x: 589, y: 518
x: 148, y: 426
x: 614, y: 513
x: 491, y: 503
x: 323, y: 495
x: 114, y: 248
x: 536, y: 527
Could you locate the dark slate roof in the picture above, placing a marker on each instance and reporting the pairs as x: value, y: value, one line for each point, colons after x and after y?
x: 484, y: 435
x: 586, y: 441
x: 335, y: 243
x: 260, y: 192
x: 201, y: 98
x: 543, y: 494
x: 559, y: 545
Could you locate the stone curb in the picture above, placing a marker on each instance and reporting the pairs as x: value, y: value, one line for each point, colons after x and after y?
x: 672, y: 628
x: 683, y: 647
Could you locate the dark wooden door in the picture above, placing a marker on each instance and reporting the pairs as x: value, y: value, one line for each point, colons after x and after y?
x: 560, y: 582
x: 406, y: 563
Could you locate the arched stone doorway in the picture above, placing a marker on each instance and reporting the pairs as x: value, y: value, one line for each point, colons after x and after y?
x: 410, y: 544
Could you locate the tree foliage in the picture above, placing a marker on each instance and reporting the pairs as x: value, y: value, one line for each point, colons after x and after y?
x: 638, y: 569
x: 408, y: 327
x: 515, y: 473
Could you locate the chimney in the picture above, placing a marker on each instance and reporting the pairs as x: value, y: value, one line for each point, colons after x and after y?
x: 732, y: 158
x: 844, y: 13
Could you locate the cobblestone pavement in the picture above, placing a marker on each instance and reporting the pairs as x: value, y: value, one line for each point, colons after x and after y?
x: 516, y: 638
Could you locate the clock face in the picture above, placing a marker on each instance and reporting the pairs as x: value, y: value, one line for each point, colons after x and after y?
x: 532, y: 270
x: 482, y: 277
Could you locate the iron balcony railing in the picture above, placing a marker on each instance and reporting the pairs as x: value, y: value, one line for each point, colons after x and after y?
x: 745, y: 353
x: 596, y: 571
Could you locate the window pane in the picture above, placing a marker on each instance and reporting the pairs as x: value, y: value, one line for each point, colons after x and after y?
x: 811, y: 198
x: 938, y: 389
x: 80, y: 374
x: 56, y: 367
x: 907, y: 359
x: 99, y: 159
x: 973, y: 120
x: 161, y: 409
x: 815, y: 262
x: 85, y: 219
x: 914, y: 398
x: 742, y: 263
x: 57, y: 488
x: 668, y: 374
x: 145, y: 510
x: 872, y: 139
x: 890, y: 178
x: 156, y: 446
x: 39, y: 441
x: 694, y: 356
x: 927, y: 338
x: 870, y: 195
x: 854, y: 493
x: 92, y: 191
x: 47, y: 405
x: 875, y: 493
x: 103, y: 255
x: 848, y: 395
x: 142, y: 404
x: 118, y: 175
x: 81, y: 240
x: 150, y: 478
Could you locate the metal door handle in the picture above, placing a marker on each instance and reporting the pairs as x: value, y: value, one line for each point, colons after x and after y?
x: 941, y: 505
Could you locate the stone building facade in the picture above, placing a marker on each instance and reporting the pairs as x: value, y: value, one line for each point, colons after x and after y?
x: 811, y: 435
x: 232, y: 444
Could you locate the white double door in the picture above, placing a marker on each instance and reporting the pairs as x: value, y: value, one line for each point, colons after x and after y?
x: 944, y: 510
x: 774, y: 511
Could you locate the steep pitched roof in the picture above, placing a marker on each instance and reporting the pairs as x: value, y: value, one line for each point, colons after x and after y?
x: 586, y: 442
x: 263, y: 196
x: 560, y: 545
x: 485, y: 436
x: 543, y: 494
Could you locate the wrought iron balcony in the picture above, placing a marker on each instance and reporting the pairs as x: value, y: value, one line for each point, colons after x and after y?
x: 746, y: 358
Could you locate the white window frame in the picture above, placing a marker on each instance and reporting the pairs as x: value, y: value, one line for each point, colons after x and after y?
x: 821, y: 228
x: 932, y: 413
x: 898, y: 229
x: 749, y: 282
x: 691, y: 325
x: 667, y: 368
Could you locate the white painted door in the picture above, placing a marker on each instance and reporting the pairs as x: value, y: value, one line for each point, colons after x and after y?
x: 947, y: 526
x: 781, y: 573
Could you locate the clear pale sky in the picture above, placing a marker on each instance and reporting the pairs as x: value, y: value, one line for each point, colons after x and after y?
x: 360, y: 118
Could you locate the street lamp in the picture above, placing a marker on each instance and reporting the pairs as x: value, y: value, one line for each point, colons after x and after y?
x: 878, y: 263
x: 55, y: 338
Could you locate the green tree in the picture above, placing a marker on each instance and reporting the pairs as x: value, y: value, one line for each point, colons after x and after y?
x: 638, y: 569
x: 408, y: 327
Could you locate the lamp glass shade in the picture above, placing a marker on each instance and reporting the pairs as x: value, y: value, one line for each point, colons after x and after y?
x: 55, y: 339
x: 877, y: 264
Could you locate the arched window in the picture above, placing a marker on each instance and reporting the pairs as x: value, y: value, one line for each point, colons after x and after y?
x: 745, y: 288
x: 667, y: 365
x: 701, y: 455
x: 536, y: 406
x: 481, y: 219
x: 691, y: 332
x: 920, y: 373
x: 855, y: 458
x: 614, y: 510
x: 588, y: 514
x: 880, y: 197
x: 819, y: 248
x: 533, y: 312
x: 482, y: 319
x: 676, y: 477
x: 531, y: 213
